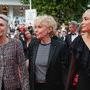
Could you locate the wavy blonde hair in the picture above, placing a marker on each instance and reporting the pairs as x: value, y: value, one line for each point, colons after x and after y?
x: 48, y: 21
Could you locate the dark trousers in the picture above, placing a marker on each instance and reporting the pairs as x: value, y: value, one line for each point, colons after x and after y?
x: 41, y: 86
x: 45, y: 86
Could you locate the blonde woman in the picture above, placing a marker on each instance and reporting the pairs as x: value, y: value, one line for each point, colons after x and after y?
x: 47, y: 56
x: 81, y: 52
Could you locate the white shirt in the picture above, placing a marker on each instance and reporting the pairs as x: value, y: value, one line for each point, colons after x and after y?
x: 74, y: 36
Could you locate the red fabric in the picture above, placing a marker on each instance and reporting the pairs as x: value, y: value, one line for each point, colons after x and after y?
x: 75, y: 81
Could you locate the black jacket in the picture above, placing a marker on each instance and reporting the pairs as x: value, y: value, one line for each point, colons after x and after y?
x: 82, y: 63
x: 58, y: 57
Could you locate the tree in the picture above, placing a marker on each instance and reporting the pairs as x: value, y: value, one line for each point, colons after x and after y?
x: 25, y: 1
x: 63, y: 10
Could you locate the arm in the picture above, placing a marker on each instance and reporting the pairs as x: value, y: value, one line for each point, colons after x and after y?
x: 24, y: 75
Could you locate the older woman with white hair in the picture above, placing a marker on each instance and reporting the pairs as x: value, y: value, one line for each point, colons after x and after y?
x: 12, y: 61
x: 47, y: 56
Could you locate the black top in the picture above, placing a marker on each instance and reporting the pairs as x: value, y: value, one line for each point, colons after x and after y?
x: 82, y: 63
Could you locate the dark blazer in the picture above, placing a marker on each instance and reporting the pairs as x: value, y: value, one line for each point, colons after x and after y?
x: 68, y: 40
x: 58, y: 56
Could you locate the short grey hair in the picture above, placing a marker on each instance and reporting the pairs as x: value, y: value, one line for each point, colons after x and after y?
x: 73, y: 23
x: 4, y: 17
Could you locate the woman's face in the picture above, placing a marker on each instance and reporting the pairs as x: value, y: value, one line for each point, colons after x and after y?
x: 3, y: 27
x: 85, y: 24
x: 41, y: 31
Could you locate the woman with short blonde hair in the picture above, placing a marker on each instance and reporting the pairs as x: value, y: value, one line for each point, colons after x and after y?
x: 46, y: 55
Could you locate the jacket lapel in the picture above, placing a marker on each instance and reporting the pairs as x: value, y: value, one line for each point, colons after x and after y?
x: 69, y: 38
x: 52, y: 52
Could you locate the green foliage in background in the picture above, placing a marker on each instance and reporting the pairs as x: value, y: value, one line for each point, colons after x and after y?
x: 62, y: 10
x: 25, y: 1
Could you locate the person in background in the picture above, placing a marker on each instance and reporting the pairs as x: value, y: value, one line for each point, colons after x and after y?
x: 67, y: 27
x: 22, y: 38
x: 30, y: 28
x: 28, y: 38
x: 29, y: 41
x: 17, y: 22
x: 69, y: 39
x: 13, y: 71
x: 47, y: 56
x: 63, y: 34
x: 16, y: 35
x: 73, y: 28
x: 21, y: 28
x: 81, y: 54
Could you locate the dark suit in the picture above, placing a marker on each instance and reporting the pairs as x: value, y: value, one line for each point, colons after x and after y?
x: 68, y: 39
x: 56, y: 64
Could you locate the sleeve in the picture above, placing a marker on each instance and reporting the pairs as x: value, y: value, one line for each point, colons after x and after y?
x: 23, y: 71
x: 30, y: 48
x: 64, y: 61
x: 64, y: 55
x: 61, y: 69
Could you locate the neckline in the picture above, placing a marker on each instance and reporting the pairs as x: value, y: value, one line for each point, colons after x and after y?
x: 45, y: 44
x: 85, y: 43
